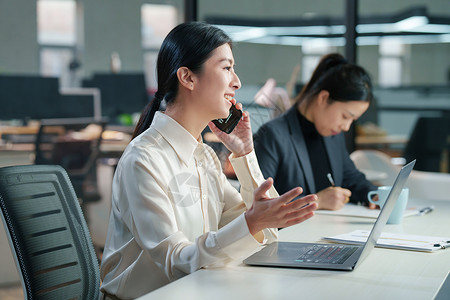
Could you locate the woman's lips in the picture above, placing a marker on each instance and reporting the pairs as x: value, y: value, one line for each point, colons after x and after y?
x: 228, y: 98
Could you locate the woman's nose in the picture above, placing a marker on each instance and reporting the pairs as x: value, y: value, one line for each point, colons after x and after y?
x: 235, y: 82
x: 346, y: 126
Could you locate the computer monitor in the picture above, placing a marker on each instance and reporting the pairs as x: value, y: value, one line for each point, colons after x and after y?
x: 29, y: 97
x: 124, y: 93
x: 81, y: 103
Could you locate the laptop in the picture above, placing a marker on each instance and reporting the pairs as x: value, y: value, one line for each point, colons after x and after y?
x: 330, y: 256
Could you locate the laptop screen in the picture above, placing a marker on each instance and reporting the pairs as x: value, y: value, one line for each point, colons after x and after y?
x: 386, y: 210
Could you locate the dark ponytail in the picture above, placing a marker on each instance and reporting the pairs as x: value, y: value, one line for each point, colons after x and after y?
x: 187, y: 45
x: 344, y: 81
x: 147, y: 115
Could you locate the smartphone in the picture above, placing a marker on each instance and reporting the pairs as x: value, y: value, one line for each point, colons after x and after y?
x: 227, y: 125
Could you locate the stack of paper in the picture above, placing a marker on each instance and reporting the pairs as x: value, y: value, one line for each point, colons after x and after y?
x: 353, y: 210
x: 394, y: 240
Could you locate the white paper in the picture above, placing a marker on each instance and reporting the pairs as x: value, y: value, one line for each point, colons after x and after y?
x: 353, y: 210
x: 392, y: 240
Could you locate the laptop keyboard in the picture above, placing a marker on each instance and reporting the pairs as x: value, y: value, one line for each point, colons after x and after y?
x: 333, y: 254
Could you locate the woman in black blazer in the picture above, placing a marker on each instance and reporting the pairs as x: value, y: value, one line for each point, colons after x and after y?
x: 305, y: 144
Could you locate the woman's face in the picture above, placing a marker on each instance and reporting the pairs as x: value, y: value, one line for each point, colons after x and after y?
x: 216, y: 84
x: 331, y: 118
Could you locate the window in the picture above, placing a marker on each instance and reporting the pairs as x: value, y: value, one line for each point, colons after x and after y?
x: 56, y: 22
x: 57, y: 38
x: 391, y: 62
x: 55, y: 63
x: 313, y: 50
x: 157, y: 20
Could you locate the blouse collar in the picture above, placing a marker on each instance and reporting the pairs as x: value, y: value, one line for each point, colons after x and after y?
x: 176, y: 135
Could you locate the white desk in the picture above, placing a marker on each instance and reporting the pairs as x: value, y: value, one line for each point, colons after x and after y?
x: 385, y: 274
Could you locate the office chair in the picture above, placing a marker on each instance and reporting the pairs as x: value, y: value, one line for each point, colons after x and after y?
x: 60, y: 142
x: 422, y: 185
x: 47, y: 233
x: 429, y: 139
x: 273, y: 97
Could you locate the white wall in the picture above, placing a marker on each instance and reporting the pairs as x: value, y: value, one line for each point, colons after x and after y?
x: 367, y: 57
x: 18, y: 37
x: 430, y: 64
x: 289, y: 8
x: 255, y: 63
x: 114, y: 25
x: 269, y: 8
x: 434, y: 7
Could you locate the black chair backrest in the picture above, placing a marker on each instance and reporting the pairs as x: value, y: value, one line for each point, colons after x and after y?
x: 48, y: 234
x: 52, y: 143
x: 61, y: 142
x: 429, y: 138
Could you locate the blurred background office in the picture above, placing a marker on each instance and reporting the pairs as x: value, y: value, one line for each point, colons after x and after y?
x: 93, y: 62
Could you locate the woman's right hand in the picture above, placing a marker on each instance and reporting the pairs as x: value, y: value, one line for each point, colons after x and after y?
x: 333, y: 198
x: 278, y: 212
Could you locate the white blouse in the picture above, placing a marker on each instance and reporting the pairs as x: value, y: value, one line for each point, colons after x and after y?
x: 174, y: 211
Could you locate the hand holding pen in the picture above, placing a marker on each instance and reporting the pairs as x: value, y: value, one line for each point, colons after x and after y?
x: 347, y: 199
x: 333, y: 197
x: 330, y: 179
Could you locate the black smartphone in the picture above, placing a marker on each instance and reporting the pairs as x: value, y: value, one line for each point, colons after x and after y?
x: 227, y: 125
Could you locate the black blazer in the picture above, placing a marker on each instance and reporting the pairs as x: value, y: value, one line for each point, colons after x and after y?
x: 282, y: 154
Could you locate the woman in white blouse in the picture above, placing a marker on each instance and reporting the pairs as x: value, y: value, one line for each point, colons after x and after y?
x: 173, y: 210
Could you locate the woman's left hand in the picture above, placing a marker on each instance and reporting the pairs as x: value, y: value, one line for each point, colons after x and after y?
x: 240, y: 140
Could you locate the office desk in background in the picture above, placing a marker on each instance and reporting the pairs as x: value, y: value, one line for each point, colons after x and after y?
x: 390, y: 144
x: 385, y: 274
x: 113, y: 143
x: 381, y: 141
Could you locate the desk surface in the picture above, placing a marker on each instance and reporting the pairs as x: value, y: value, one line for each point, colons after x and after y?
x: 106, y: 146
x: 382, y: 139
x: 385, y: 274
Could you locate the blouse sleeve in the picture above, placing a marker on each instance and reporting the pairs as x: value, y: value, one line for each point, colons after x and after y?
x: 250, y: 177
x: 150, y: 217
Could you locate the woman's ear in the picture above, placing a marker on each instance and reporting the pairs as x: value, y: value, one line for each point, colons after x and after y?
x: 185, y: 77
x: 323, y: 97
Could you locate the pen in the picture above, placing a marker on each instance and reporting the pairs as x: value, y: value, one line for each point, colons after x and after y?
x: 443, y: 245
x: 330, y: 179
x: 425, y: 210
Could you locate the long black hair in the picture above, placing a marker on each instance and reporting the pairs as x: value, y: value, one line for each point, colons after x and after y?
x: 345, y: 82
x: 187, y: 45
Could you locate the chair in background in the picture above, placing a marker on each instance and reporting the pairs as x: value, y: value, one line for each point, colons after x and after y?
x: 429, y: 143
x: 73, y: 144
x: 47, y: 233
x: 422, y: 185
x: 376, y: 165
x: 273, y: 97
